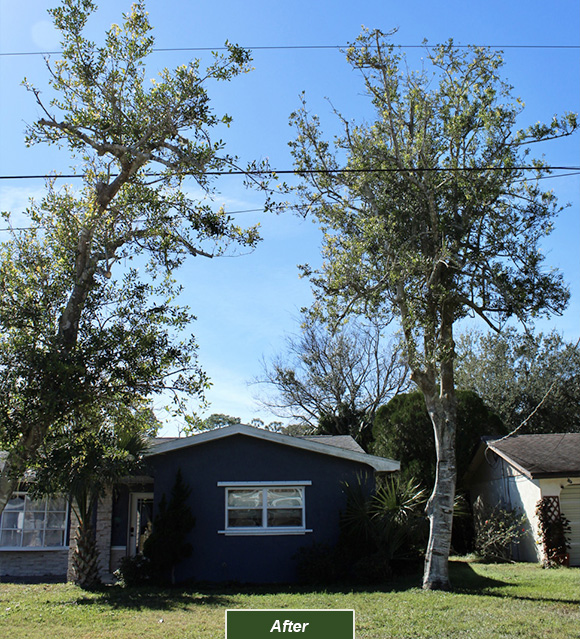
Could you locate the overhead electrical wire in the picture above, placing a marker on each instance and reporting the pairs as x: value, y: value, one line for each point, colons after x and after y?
x: 274, y: 172
x: 317, y: 47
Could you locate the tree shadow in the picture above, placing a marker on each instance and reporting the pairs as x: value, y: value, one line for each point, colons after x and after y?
x: 467, y: 581
x: 151, y: 598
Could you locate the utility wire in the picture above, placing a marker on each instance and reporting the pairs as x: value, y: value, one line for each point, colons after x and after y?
x: 328, y: 171
x: 318, y: 47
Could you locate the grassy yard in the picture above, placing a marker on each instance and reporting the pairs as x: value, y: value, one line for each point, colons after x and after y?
x: 488, y: 601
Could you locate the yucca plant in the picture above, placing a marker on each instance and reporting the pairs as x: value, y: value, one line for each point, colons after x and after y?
x: 386, y: 523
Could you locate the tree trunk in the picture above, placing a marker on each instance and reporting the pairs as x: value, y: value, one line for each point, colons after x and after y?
x: 440, y: 504
x: 442, y: 409
x: 85, y: 559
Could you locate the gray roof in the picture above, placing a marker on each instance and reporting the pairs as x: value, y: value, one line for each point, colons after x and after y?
x: 342, y: 441
x: 537, y: 456
x: 335, y: 446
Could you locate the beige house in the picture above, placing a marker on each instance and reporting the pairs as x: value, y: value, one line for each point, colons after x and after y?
x: 519, y: 471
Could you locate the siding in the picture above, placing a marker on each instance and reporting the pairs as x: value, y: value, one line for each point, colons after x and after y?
x: 255, y: 559
x: 570, y: 508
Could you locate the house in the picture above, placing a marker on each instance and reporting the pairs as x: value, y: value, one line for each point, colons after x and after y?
x: 257, y: 497
x: 519, y: 471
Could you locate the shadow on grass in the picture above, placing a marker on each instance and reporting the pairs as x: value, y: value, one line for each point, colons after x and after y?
x: 149, y: 598
x: 466, y: 580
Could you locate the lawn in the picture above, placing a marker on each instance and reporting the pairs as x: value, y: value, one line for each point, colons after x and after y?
x: 488, y: 601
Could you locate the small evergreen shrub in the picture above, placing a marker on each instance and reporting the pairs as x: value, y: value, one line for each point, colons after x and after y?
x: 167, y: 544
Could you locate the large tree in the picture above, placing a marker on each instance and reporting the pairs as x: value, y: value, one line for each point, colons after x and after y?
x: 332, y: 380
x: 67, y: 327
x: 428, y: 212
x: 530, y: 381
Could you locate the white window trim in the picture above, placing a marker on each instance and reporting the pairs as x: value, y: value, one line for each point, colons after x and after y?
x: 263, y: 531
x: 65, y: 546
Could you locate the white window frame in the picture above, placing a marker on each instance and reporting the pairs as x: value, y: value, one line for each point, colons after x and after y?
x: 264, y: 529
x: 23, y: 528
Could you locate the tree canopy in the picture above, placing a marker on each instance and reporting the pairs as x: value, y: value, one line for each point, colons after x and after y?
x: 71, y: 332
x: 434, y: 210
x: 524, y: 377
x: 402, y: 431
x: 333, y: 380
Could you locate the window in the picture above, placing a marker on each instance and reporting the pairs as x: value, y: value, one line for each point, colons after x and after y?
x: 33, y: 523
x: 274, y: 508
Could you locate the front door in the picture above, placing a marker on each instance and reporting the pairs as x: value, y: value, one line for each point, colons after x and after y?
x: 140, y: 521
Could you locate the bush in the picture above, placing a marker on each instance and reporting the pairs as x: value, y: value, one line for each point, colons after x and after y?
x: 133, y: 571
x: 496, y: 533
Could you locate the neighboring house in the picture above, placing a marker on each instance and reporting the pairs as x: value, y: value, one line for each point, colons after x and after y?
x: 519, y: 471
x: 257, y: 497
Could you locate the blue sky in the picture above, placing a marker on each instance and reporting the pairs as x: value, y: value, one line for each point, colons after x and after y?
x: 246, y: 305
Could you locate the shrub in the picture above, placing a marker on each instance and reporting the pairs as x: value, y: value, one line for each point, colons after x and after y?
x: 133, y: 571
x: 389, y: 523
x: 497, y: 532
x: 167, y: 544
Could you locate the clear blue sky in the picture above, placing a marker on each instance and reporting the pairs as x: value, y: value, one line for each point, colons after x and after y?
x: 246, y: 305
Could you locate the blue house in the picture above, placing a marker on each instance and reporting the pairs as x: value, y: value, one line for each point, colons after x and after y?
x: 257, y: 497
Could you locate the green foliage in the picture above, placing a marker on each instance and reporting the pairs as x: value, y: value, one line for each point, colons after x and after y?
x: 71, y: 334
x: 133, y: 571
x: 524, y: 377
x: 388, y: 524
x: 403, y: 431
x: 167, y: 544
x: 428, y: 214
x: 83, y: 456
x: 497, y: 532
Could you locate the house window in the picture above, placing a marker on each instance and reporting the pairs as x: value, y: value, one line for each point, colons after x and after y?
x: 273, y: 508
x: 33, y: 523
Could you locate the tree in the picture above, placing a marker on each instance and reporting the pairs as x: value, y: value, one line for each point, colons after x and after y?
x: 167, y: 544
x: 427, y: 212
x: 524, y: 377
x: 333, y: 380
x: 402, y: 431
x: 57, y: 294
x: 82, y: 458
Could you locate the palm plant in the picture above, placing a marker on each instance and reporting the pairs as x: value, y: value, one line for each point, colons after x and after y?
x: 385, y: 524
x: 87, y: 455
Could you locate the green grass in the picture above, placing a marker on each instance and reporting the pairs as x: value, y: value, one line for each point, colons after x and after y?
x: 488, y: 601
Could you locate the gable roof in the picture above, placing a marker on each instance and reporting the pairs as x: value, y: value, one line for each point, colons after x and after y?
x: 334, y: 446
x: 541, y: 455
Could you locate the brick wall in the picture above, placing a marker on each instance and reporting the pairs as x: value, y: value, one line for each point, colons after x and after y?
x: 34, y: 563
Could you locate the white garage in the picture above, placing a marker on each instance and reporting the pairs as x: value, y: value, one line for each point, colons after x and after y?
x: 570, y: 508
x: 518, y: 471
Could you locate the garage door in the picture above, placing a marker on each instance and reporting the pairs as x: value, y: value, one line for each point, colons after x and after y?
x: 570, y: 507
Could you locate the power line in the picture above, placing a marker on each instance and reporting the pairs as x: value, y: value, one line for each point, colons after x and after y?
x: 317, y: 47
x: 574, y: 169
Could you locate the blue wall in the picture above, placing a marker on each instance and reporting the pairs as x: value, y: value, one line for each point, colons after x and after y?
x: 253, y: 559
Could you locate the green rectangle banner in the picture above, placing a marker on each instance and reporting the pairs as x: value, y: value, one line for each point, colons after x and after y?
x: 306, y: 624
